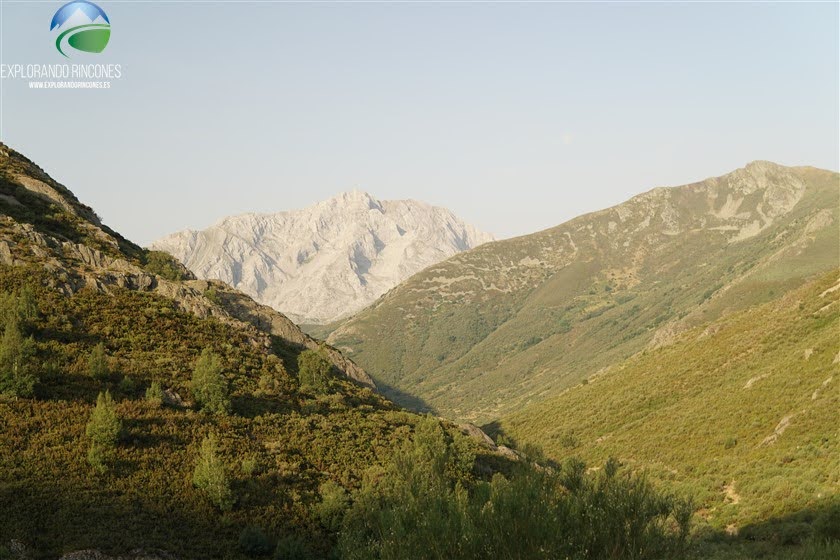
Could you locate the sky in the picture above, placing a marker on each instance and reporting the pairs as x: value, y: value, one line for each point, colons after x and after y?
x: 516, y: 116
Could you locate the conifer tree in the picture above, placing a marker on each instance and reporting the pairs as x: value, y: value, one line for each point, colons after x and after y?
x: 210, y: 477
x: 209, y: 386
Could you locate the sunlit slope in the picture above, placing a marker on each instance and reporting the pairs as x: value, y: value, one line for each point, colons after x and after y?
x: 742, y: 413
x: 493, y: 329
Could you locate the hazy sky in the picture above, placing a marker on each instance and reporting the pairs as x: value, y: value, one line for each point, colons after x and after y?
x: 515, y: 116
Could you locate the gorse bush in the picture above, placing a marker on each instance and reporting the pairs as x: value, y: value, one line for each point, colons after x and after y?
x: 210, y: 476
x: 425, y: 506
x: 314, y: 371
x: 210, y: 389
x: 98, y: 363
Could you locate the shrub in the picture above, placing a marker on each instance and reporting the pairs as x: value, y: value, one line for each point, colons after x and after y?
x: 419, y: 503
x: 210, y: 477
x: 254, y: 542
x: 827, y: 523
x: 103, y: 429
x: 314, y: 370
x: 164, y: 265
x: 154, y: 394
x: 17, y: 370
x: 209, y: 385
x: 333, y: 504
x: 128, y: 386
x: 250, y: 465
x: 98, y: 458
x: 98, y: 363
x: 104, y: 426
x: 292, y: 548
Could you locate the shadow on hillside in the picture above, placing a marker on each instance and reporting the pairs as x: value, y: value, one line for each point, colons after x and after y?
x: 497, y: 433
x: 54, y: 520
x: 405, y: 400
x: 812, y: 533
x: 251, y: 406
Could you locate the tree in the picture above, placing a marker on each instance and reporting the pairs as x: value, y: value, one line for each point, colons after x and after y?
x: 210, y: 477
x: 209, y: 385
x: 154, y: 395
x: 104, y: 426
x: 27, y: 306
x: 314, y: 370
x: 17, y: 377
x: 98, y: 363
x: 103, y: 429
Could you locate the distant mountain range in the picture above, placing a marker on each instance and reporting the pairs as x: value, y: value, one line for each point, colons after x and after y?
x: 328, y: 261
x: 488, y: 331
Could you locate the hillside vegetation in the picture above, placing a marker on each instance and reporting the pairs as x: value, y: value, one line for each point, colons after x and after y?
x: 741, y: 414
x: 491, y: 330
x: 146, y: 414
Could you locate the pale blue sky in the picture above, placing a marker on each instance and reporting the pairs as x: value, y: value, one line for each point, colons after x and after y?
x: 515, y: 116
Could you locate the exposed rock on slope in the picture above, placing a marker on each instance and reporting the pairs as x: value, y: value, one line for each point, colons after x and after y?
x: 491, y: 329
x: 82, y: 254
x: 327, y: 261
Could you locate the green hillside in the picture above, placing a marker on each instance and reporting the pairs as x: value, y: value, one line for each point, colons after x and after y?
x: 148, y: 415
x: 513, y: 322
x: 742, y: 414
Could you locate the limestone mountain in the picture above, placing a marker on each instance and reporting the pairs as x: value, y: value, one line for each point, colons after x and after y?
x: 327, y: 261
x: 492, y: 329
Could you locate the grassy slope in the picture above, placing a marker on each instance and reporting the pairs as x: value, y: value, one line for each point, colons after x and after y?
x: 686, y: 414
x: 54, y: 502
x: 491, y: 330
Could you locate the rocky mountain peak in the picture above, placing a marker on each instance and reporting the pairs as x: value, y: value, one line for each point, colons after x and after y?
x: 328, y: 261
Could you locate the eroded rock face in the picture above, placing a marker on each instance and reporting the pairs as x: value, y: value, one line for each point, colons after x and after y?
x: 327, y: 261
x: 103, y: 266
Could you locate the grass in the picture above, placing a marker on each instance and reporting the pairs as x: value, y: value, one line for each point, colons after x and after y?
x: 509, y: 323
x: 699, y: 415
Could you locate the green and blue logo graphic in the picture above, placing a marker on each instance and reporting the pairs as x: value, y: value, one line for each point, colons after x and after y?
x: 81, y: 25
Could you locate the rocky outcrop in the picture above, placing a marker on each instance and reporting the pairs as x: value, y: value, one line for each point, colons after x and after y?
x: 76, y: 266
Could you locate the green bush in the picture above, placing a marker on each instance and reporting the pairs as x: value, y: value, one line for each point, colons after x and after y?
x: 164, y: 265
x: 98, y: 457
x: 128, y: 386
x: 293, y: 548
x: 98, y: 363
x: 104, y: 426
x: 210, y: 476
x: 17, y: 368
x: 314, y: 371
x: 334, y: 502
x: 827, y: 524
x: 421, y: 504
x: 254, y: 542
x: 209, y: 386
x: 154, y: 394
x: 103, y: 429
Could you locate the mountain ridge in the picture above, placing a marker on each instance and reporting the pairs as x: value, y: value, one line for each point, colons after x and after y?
x: 326, y: 261
x: 530, y: 315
